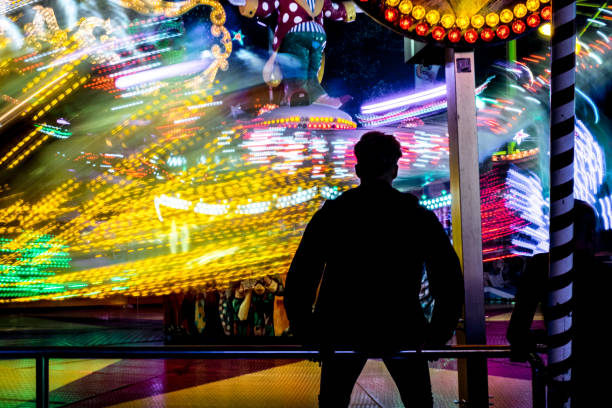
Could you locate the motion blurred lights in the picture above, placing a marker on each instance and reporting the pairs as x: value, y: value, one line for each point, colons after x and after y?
x: 391, y: 14
x: 487, y: 34
x: 405, y: 22
x: 605, y: 209
x: 533, y: 20
x: 506, y: 16
x: 447, y: 21
x: 422, y: 28
x: 454, y: 35
x: 546, y: 13
x: 589, y: 164
x: 471, y: 36
x: 438, y: 33
x: 492, y: 19
x: 392, y: 3
x: 503, y: 31
x: 520, y: 10
x: 405, y: 7
x: 519, y: 26
x: 157, y: 74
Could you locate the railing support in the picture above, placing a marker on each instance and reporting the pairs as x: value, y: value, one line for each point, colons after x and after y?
x: 42, y: 381
x: 538, y: 381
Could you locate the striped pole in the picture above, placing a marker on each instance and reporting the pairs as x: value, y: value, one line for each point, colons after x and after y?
x: 563, y: 70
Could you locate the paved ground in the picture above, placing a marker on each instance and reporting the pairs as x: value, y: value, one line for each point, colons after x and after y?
x: 212, y: 383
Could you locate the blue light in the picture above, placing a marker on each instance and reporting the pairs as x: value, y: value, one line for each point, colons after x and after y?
x: 590, y: 102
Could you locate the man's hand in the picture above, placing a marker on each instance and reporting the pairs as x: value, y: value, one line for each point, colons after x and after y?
x: 238, y: 2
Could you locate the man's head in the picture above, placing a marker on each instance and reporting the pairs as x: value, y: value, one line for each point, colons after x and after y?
x: 585, y: 227
x: 377, y: 155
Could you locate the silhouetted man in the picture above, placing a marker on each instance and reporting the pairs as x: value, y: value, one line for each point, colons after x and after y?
x: 590, y: 309
x: 364, y: 252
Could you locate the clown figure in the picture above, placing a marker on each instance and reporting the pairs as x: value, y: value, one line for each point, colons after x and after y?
x: 299, y: 33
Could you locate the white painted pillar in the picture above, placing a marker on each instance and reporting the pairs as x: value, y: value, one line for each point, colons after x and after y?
x: 466, y: 218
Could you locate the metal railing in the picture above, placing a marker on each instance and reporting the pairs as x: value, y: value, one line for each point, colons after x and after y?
x: 42, y: 355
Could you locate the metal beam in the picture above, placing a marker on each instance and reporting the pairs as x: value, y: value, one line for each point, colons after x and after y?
x: 42, y: 381
x: 466, y: 218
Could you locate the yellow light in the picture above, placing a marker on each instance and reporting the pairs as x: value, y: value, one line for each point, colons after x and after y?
x: 447, y: 20
x: 506, y: 16
x: 392, y: 3
x: 544, y: 1
x: 418, y: 12
x: 405, y: 7
x: 532, y: 5
x: 546, y: 30
x: 492, y: 19
x: 477, y: 21
x: 432, y: 17
x: 462, y: 22
x: 520, y: 10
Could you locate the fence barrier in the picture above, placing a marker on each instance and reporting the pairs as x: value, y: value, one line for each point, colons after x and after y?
x: 42, y: 355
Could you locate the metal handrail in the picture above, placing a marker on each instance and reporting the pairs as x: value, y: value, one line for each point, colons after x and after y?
x: 43, y: 354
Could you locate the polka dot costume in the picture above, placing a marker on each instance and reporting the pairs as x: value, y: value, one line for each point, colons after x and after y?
x: 299, y: 15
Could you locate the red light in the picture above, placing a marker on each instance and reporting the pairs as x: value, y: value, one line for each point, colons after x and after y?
x: 438, y: 33
x: 422, y: 28
x: 471, y: 36
x: 391, y: 14
x: 454, y: 35
x: 487, y: 34
x: 405, y: 22
x: 533, y: 20
x: 502, y: 32
x: 546, y: 13
x: 518, y: 26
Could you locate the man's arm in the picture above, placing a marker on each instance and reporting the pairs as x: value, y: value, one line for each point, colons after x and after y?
x: 305, y: 275
x: 530, y: 292
x: 445, y: 281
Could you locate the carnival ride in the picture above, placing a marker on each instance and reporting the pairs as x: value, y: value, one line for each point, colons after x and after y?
x: 128, y: 168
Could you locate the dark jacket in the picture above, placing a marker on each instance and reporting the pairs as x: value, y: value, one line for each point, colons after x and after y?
x: 590, y: 307
x: 367, y: 249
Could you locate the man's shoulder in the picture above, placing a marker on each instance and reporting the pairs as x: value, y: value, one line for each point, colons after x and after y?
x: 407, y: 201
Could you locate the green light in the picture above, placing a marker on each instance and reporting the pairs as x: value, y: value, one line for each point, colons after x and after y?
x: 22, y: 268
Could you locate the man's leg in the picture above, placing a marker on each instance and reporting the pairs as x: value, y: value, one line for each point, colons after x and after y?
x: 293, y: 59
x: 412, y: 379
x: 338, y: 376
x: 317, y: 46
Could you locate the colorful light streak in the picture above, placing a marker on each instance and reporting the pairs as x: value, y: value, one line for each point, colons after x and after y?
x: 589, y: 164
x: 247, y: 190
x: 429, y: 102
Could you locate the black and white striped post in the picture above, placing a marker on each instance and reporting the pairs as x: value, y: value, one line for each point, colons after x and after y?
x: 563, y: 70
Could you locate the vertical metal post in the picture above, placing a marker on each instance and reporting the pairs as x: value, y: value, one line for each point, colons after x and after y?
x: 538, y: 382
x: 466, y: 218
x: 562, y: 118
x: 42, y: 382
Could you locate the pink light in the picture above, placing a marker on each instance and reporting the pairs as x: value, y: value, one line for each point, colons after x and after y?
x: 433, y: 93
x: 157, y: 74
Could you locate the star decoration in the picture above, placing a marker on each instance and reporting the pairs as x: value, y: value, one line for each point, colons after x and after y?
x: 238, y: 36
x: 520, y: 136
